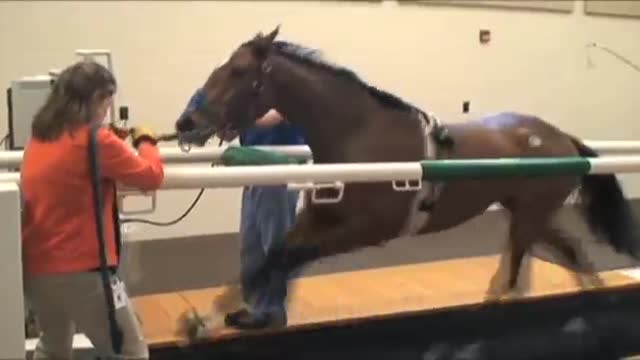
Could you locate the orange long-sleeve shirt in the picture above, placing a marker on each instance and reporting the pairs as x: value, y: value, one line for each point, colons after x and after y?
x: 59, y: 226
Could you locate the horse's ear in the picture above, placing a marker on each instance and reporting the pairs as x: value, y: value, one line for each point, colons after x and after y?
x: 262, y: 44
x: 273, y: 34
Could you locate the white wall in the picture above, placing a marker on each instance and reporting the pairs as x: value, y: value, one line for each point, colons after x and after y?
x: 537, y: 62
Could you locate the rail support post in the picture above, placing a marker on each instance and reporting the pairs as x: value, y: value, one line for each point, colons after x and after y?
x: 12, y: 309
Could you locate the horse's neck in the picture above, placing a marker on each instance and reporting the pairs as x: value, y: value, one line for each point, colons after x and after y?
x: 324, y: 106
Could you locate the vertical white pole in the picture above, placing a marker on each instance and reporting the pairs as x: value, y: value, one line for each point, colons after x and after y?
x: 131, y: 260
x: 12, y: 309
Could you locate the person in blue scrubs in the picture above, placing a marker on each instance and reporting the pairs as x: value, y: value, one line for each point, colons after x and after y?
x: 267, y: 214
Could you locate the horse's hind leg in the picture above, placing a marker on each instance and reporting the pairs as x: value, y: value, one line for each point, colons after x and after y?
x: 523, y: 231
x: 570, y: 249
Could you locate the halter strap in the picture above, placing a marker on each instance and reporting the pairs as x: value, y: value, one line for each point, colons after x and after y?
x: 199, y: 102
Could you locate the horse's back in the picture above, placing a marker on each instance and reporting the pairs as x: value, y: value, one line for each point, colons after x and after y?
x: 500, y: 135
x: 508, y: 134
x: 387, y: 136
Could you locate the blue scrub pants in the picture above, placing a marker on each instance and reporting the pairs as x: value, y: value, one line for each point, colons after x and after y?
x: 267, y: 214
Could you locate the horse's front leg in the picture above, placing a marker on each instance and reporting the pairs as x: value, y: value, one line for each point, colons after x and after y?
x: 194, y: 325
x: 307, y: 242
x: 270, y: 272
x: 311, y: 241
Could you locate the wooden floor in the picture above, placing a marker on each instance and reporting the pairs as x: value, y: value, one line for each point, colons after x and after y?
x: 359, y: 295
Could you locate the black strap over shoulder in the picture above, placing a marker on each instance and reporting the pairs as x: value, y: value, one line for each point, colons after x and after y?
x: 94, y: 161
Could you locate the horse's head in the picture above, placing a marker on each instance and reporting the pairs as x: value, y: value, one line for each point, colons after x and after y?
x: 233, y: 97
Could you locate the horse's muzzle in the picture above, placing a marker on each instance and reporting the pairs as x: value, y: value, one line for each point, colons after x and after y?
x: 185, y: 124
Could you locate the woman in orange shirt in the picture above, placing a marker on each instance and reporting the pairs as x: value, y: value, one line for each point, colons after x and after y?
x: 61, y: 248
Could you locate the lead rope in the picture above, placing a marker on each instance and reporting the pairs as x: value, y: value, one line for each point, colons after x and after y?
x: 94, y: 161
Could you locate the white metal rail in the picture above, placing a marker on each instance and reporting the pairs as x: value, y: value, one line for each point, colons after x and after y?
x: 173, y: 155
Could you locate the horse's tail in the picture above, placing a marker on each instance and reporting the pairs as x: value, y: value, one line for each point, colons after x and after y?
x: 606, y: 210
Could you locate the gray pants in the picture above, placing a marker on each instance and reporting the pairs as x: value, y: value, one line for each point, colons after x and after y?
x: 62, y: 302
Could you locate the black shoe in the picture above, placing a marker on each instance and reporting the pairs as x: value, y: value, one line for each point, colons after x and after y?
x: 245, y: 320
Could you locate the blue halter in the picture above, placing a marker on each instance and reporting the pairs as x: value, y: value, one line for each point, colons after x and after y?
x: 197, y: 102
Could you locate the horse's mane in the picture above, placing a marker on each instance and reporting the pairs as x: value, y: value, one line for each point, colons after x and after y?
x: 314, y: 58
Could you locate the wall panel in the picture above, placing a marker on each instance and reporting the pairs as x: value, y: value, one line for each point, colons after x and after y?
x: 613, y: 8
x: 556, y: 6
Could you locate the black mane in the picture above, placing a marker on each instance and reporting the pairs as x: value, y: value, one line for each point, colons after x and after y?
x: 313, y: 57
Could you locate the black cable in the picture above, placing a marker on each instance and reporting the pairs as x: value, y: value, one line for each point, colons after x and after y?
x: 169, y: 223
x: 4, y: 143
x: 181, y: 217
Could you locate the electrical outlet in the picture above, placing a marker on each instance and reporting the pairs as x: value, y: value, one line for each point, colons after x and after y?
x: 485, y: 36
x: 465, y: 106
x: 123, y: 113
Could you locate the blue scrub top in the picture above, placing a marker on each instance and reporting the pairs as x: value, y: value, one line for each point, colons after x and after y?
x: 283, y: 133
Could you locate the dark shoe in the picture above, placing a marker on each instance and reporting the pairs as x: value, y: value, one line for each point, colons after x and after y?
x: 245, y: 320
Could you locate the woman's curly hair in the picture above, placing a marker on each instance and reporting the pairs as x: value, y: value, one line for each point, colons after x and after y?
x: 74, y: 99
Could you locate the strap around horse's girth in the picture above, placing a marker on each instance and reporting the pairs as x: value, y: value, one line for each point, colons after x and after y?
x: 425, y: 198
x: 433, y: 131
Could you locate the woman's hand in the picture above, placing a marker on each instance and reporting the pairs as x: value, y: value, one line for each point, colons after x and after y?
x: 140, y: 134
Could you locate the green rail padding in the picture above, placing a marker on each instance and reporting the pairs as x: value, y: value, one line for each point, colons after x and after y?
x: 246, y: 156
x: 503, y: 168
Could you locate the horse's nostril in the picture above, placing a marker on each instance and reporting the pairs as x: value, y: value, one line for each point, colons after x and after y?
x: 185, y: 124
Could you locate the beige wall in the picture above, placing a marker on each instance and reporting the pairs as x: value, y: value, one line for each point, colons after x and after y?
x: 537, y: 62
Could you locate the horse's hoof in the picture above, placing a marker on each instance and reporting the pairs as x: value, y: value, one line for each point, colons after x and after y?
x: 503, y: 294
x: 495, y: 296
x: 512, y: 295
x: 193, y: 326
x: 594, y: 282
x: 597, y: 282
x: 497, y: 289
x: 589, y: 281
x: 491, y: 297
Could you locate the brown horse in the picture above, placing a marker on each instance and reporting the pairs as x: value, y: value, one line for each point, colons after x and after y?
x: 347, y: 120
